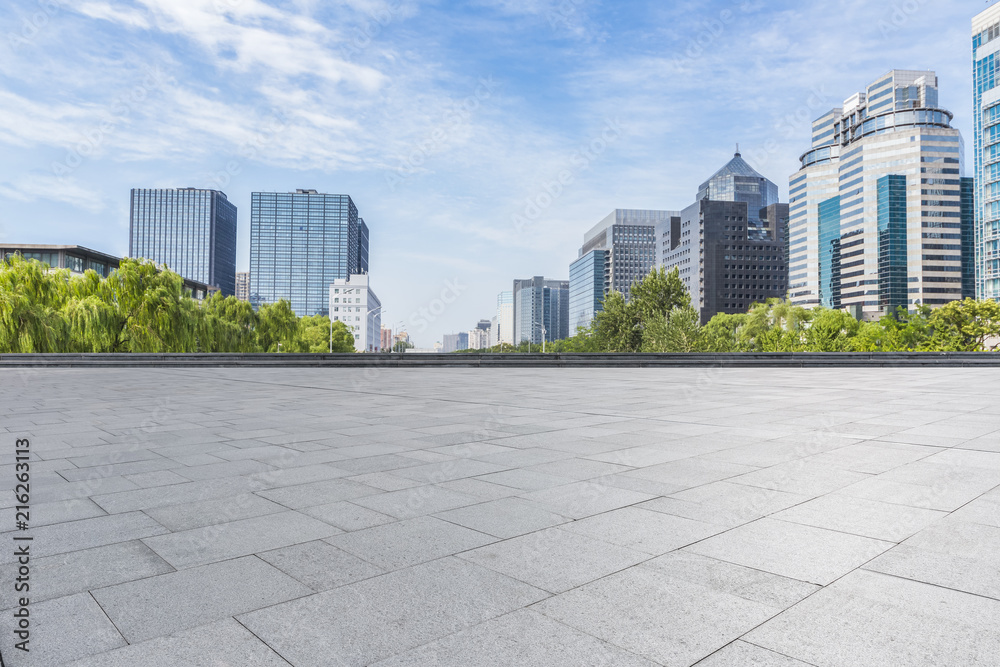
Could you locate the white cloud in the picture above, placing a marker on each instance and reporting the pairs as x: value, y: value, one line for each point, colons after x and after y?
x: 35, y: 187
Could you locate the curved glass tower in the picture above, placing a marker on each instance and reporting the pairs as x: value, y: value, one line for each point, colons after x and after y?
x: 986, y: 124
x: 876, y: 211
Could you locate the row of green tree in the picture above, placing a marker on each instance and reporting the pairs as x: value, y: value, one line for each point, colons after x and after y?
x: 140, y: 308
x: 659, y: 318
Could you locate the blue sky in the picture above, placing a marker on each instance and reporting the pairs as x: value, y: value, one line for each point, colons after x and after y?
x: 449, y: 123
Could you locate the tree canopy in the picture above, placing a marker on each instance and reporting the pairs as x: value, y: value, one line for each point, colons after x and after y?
x: 143, y: 308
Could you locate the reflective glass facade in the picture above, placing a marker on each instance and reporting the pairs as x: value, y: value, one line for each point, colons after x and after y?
x: 738, y: 181
x: 191, y: 231
x: 986, y: 127
x: 588, y: 279
x: 541, y: 304
x: 892, y: 243
x: 891, y: 157
x: 829, y: 255
x: 629, y: 236
x: 300, y: 243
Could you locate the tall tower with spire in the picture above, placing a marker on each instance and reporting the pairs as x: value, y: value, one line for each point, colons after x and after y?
x: 738, y: 181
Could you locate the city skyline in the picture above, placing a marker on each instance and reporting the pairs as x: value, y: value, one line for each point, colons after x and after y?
x: 454, y: 152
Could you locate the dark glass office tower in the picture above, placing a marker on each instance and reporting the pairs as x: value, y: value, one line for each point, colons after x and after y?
x: 191, y: 231
x: 300, y: 242
x: 541, y: 304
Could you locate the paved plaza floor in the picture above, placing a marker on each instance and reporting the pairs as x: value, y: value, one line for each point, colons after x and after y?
x: 467, y: 517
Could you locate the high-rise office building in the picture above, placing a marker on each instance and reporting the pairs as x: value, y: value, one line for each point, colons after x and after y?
x: 191, y: 231
x: 243, y: 285
x: 876, y: 211
x: 455, y: 342
x: 589, y: 283
x: 541, y: 310
x: 986, y: 128
x: 629, y: 236
x: 505, y: 319
x: 386, y: 339
x: 728, y: 254
x: 300, y: 243
x: 353, y: 302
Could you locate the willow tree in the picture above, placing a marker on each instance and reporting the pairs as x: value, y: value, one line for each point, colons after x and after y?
x: 31, y: 301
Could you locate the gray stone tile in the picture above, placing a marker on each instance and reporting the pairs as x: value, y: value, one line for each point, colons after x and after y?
x: 320, y: 565
x: 227, y: 469
x: 580, y: 469
x: 222, y: 541
x: 362, y: 623
x: 952, y: 554
x: 944, y: 497
x: 554, y: 560
x: 163, y: 605
x: 868, y: 618
x: 792, y: 550
x: 86, y: 533
x: 46, y: 514
x: 665, y: 619
x: 476, y: 487
x: 507, y: 517
x: 145, y: 480
x: 348, y: 516
x: 520, y: 638
x: 76, y: 490
x: 61, y: 630
x: 174, y: 494
x: 804, y: 477
x: 526, y: 480
x: 418, y: 501
x: 385, y: 481
x: 118, y: 469
x: 224, y: 643
x: 740, y: 501
x: 750, y: 584
x: 80, y: 571
x: 406, y: 543
x: 583, y: 499
x: 688, y: 473
x: 742, y: 654
x: 435, y: 473
x: 215, y: 511
x: 318, y: 493
x: 858, y: 516
x: 644, y: 530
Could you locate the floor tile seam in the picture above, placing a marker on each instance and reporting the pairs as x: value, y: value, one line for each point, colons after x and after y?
x: 775, y: 651
x: 623, y: 416
x: 820, y: 588
x: 844, y: 532
x: 107, y: 616
x: 931, y: 583
x: 272, y: 649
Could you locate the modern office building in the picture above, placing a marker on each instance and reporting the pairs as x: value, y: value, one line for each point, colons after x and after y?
x: 986, y: 128
x: 301, y: 243
x: 455, y: 342
x: 629, y: 237
x: 727, y: 258
x: 78, y: 260
x: 191, y: 231
x: 353, y: 302
x: 243, y: 285
x: 505, y: 319
x: 541, y: 310
x: 876, y: 211
x: 386, y: 339
x: 589, y: 283
x: 737, y: 181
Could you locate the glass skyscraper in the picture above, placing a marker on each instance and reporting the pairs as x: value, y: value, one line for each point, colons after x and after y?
x: 541, y: 304
x: 300, y: 243
x: 986, y: 126
x: 191, y: 231
x: 737, y: 181
x: 877, y: 210
x: 589, y: 278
